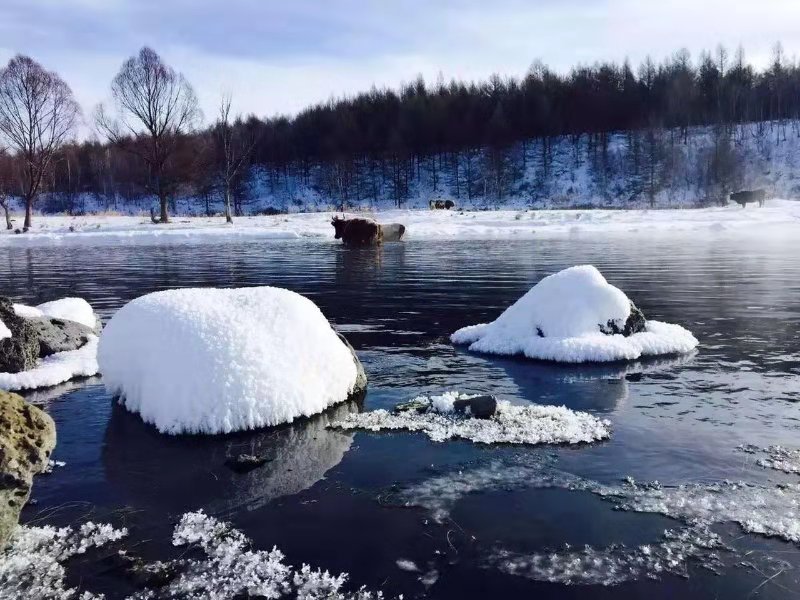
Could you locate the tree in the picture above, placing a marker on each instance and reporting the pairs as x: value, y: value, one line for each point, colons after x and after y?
x: 37, y: 115
x: 6, y: 184
x: 155, y: 107
x: 234, y: 147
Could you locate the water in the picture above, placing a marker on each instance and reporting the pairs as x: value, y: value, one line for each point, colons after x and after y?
x: 329, y: 498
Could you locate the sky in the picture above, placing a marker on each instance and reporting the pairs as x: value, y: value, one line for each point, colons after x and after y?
x: 277, y: 57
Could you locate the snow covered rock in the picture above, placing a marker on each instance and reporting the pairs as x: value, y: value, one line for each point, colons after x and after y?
x: 48, y: 344
x: 27, y: 437
x: 221, y: 360
x: 576, y: 316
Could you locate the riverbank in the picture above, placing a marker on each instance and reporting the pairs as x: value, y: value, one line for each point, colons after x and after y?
x: 779, y: 217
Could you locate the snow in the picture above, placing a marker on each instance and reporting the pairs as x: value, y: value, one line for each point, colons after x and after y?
x: 32, y: 565
x: 531, y: 424
x: 223, y: 360
x: 27, y: 312
x: 71, y: 309
x: 568, y: 308
x: 5, y: 332
x: 778, y: 218
x: 55, y: 369
x: 777, y: 458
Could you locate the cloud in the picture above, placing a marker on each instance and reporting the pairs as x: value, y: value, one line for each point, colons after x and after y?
x: 277, y: 57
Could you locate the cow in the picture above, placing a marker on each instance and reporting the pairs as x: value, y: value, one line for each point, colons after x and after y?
x: 441, y: 204
x: 357, y: 232
x: 746, y: 196
x: 393, y: 232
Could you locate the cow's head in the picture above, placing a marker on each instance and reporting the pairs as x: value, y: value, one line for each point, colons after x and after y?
x: 338, y: 225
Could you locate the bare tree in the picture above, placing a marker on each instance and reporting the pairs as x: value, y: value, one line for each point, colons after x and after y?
x: 155, y: 107
x: 37, y: 115
x: 234, y: 149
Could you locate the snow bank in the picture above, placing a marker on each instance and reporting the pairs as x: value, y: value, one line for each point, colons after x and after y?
x: 559, y: 319
x: 71, y: 309
x: 511, y: 424
x: 55, y: 369
x: 217, y: 361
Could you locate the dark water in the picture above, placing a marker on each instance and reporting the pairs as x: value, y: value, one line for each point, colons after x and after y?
x: 322, y: 500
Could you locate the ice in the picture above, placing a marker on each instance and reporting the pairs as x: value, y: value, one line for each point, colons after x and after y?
x: 231, y: 569
x: 217, y: 361
x: 777, y: 458
x: 615, y: 564
x: 559, y: 319
x: 530, y: 424
x: 32, y: 565
x: 55, y: 369
x: 771, y: 511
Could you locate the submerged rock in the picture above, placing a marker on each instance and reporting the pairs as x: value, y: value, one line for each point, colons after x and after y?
x: 244, y: 463
x: 27, y: 437
x: 480, y: 407
x: 20, y: 351
x: 59, y: 335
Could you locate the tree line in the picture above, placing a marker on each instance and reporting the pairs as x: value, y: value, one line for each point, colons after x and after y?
x: 460, y: 138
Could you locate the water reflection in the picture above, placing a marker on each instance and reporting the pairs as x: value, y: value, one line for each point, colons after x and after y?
x: 180, y: 473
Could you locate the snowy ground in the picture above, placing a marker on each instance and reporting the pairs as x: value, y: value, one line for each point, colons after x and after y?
x: 779, y: 217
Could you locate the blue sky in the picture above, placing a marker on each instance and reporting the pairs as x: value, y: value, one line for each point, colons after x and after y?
x: 279, y: 56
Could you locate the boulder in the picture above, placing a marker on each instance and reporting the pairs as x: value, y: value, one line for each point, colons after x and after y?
x: 27, y: 438
x: 59, y: 335
x: 635, y: 323
x: 360, y: 388
x: 480, y: 407
x: 20, y: 351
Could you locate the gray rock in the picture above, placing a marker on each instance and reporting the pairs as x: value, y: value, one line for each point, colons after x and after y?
x: 635, y: 323
x: 27, y: 438
x: 480, y: 407
x: 59, y: 335
x: 360, y: 388
x: 21, y: 351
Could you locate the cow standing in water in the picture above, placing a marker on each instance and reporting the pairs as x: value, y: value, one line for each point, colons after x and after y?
x: 366, y: 232
x: 744, y: 197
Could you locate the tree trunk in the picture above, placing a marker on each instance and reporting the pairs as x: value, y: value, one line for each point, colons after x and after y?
x: 228, y: 217
x: 164, y: 212
x: 28, y: 210
x: 9, y: 226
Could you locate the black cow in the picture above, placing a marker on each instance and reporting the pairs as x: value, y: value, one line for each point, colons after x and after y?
x: 746, y: 196
x: 357, y: 232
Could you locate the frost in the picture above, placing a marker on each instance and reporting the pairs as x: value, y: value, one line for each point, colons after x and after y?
x: 768, y: 511
x: 531, y: 424
x: 777, y: 458
x: 55, y: 369
x: 560, y: 318
x: 232, y: 569
x: 32, y: 565
x: 615, y: 564
x: 223, y: 360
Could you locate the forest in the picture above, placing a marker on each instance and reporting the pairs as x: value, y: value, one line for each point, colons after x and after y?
x: 495, y: 140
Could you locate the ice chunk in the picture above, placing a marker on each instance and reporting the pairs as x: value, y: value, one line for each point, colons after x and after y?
x: 561, y: 317
x: 222, y: 360
x: 530, y: 424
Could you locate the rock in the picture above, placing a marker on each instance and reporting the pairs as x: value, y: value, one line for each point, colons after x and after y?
x: 418, y: 405
x: 480, y: 407
x: 360, y: 387
x: 27, y: 437
x: 244, y: 463
x: 21, y: 351
x: 59, y: 335
x: 635, y: 323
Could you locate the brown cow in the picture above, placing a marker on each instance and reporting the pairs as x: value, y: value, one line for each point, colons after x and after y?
x: 357, y: 232
x: 441, y: 204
